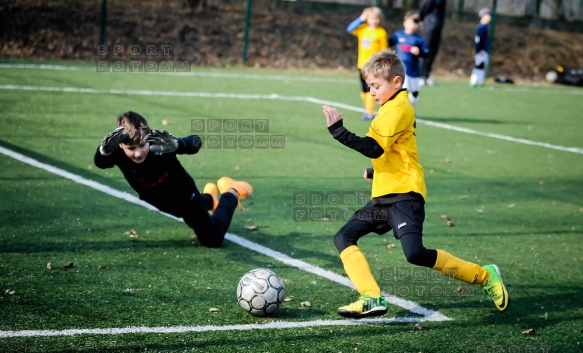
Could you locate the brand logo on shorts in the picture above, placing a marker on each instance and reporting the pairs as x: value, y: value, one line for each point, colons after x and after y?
x: 401, y: 225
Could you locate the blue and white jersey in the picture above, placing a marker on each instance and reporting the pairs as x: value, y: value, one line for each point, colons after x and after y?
x: 403, y: 42
x: 482, y: 41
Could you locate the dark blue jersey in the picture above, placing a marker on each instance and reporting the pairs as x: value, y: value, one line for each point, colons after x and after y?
x: 403, y: 42
x: 482, y: 41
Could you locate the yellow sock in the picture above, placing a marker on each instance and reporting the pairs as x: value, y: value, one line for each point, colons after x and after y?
x: 369, y: 103
x: 462, y: 270
x: 363, y: 97
x: 358, y: 271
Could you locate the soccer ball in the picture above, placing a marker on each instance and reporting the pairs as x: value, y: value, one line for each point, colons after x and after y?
x: 551, y: 76
x: 260, y: 292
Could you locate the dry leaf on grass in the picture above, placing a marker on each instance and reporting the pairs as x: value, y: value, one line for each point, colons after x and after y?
x: 390, y: 246
x: 288, y: 299
x: 530, y: 331
x: 50, y: 266
x: 306, y: 303
x: 9, y: 292
x: 545, y: 316
x: 214, y: 310
x: 419, y: 327
x: 132, y: 233
x: 250, y: 227
x: 68, y: 265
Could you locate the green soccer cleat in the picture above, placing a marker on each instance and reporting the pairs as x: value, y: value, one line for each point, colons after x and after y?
x: 365, y: 306
x: 495, y: 288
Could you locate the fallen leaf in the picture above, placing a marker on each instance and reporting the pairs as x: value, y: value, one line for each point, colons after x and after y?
x: 50, y: 266
x: 9, y: 292
x: 511, y: 205
x: 165, y: 122
x: 250, y: 227
x: 306, y: 303
x: 444, y: 216
x: 419, y: 327
x: 68, y: 265
x: 214, y: 310
x: 530, y: 331
x: 264, y: 322
x: 449, y: 222
x: 288, y: 299
x: 463, y: 197
x: 390, y: 246
x: 545, y: 316
x: 461, y: 289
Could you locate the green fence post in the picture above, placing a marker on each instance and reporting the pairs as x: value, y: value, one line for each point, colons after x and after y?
x: 102, y: 22
x: 493, y: 22
x: 247, y: 25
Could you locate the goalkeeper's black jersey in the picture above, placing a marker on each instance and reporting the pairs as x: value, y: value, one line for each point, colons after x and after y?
x: 160, y: 180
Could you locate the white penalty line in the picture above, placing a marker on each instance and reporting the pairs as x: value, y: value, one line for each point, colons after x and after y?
x: 284, y: 98
x: 271, y: 325
x: 428, y: 315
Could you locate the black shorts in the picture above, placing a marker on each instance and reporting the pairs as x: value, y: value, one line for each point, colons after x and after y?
x: 365, y: 87
x: 402, y: 217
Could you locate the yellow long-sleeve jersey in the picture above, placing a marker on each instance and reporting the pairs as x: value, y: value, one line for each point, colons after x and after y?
x: 370, y: 41
x: 397, y: 170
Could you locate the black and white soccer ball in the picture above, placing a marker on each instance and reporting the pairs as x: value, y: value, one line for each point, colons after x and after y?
x: 260, y: 292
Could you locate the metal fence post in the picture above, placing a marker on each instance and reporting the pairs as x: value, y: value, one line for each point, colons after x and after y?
x: 489, y: 67
x: 102, y: 22
x: 247, y: 25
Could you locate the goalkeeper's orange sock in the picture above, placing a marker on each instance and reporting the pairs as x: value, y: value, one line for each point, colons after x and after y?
x: 358, y: 271
x: 462, y: 270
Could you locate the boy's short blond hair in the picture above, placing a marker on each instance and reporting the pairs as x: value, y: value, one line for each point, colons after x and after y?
x: 135, y: 126
x: 384, y: 63
x: 375, y: 11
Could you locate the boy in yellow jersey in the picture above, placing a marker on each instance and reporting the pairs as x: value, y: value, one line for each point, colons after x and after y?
x: 398, y: 194
x: 372, y: 38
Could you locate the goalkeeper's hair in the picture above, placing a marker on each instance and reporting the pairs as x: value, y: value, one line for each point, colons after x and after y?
x: 384, y: 63
x: 135, y: 125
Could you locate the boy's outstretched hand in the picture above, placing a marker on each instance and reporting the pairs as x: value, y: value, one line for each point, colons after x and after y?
x: 112, y: 141
x: 161, y: 141
x: 332, y: 115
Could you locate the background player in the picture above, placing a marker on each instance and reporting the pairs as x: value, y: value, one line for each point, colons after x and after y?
x: 371, y: 39
x: 410, y: 47
x: 482, y: 44
x: 147, y: 159
x: 432, y: 14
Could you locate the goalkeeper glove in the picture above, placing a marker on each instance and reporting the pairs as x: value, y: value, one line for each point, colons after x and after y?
x: 112, y: 141
x: 161, y: 141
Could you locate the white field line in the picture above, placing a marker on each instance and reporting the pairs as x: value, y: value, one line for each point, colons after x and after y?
x: 233, y: 75
x: 428, y: 315
x: 241, y: 75
x: 184, y: 329
x: 285, y: 98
